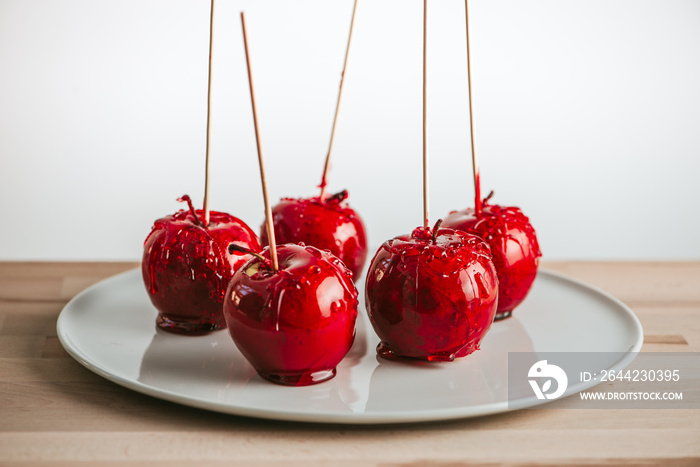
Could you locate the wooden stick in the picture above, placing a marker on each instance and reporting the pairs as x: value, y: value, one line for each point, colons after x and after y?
x: 268, y: 210
x: 426, y: 222
x: 206, y: 166
x: 327, y: 165
x: 475, y: 165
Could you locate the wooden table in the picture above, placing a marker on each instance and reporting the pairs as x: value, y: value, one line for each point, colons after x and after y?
x: 52, y: 410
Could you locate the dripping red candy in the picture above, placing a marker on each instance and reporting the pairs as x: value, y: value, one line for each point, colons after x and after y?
x: 431, y: 295
x: 330, y: 225
x: 293, y: 325
x: 516, y: 252
x: 186, y: 267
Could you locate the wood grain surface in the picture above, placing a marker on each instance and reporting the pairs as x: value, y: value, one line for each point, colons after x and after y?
x: 54, y: 411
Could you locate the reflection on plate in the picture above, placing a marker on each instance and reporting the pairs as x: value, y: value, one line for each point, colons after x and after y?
x: 110, y: 329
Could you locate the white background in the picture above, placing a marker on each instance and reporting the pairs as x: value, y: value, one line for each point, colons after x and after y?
x: 587, y: 117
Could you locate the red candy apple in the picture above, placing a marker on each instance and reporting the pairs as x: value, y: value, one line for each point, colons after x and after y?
x: 187, y: 266
x: 328, y: 225
x: 295, y: 324
x: 513, y: 242
x: 431, y: 295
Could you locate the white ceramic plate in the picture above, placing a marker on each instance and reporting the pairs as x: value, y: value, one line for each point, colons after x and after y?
x: 110, y: 329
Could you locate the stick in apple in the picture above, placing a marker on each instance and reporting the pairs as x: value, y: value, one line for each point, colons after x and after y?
x: 512, y: 239
x: 475, y: 165
x: 327, y: 165
x: 205, y: 208
x: 324, y: 221
x: 426, y: 222
x: 263, y: 179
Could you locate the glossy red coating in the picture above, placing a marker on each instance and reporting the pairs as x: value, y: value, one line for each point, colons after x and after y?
x: 329, y: 225
x: 296, y: 324
x: 431, y: 299
x: 186, y: 268
x: 516, y: 252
